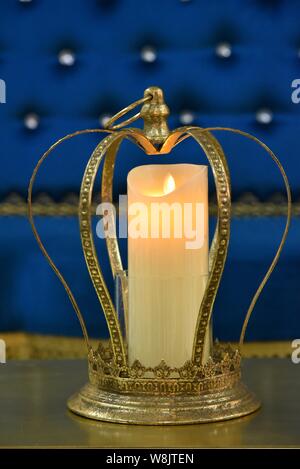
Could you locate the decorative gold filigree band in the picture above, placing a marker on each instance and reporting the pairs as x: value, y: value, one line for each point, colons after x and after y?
x: 247, y: 205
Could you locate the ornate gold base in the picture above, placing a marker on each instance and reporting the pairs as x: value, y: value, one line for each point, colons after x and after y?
x: 109, y: 406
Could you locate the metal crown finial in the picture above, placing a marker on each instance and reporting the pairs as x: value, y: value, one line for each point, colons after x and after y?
x: 155, y: 113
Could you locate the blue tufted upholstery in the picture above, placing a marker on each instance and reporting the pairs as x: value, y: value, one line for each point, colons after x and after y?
x: 107, y: 38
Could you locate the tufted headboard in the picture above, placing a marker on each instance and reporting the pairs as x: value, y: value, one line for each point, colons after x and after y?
x: 69, y: 65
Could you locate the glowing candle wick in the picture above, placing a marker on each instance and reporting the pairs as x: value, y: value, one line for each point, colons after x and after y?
x: 169, y: 184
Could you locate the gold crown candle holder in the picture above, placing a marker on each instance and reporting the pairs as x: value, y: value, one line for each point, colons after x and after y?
x: 192, y: 380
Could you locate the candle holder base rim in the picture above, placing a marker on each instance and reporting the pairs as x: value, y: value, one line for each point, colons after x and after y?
x: 110, y: 406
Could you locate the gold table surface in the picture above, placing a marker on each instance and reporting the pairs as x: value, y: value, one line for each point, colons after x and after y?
x: 33, y: 411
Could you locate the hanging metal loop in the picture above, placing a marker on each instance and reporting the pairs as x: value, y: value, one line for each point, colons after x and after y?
x: 123, y: 112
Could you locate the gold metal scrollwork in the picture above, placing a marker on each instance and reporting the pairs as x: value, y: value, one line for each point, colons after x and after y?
x: 219, y: 246
x: 37, y: 236
x: 111, y: 378
x: 108, y: 148
x: 89, y: 250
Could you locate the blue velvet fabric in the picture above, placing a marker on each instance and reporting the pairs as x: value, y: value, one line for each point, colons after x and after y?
x: 107, y: 37
x: 33, y: 300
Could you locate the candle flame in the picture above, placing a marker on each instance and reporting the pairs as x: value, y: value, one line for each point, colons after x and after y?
x: 169, y: 184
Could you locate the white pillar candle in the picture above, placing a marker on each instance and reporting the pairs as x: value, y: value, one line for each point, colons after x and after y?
x: 167, y: 268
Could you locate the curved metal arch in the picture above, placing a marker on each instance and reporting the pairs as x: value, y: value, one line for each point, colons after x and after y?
x: 37, y: 236
x: 88, y: 245
x: 218, y: 251
x: 112, y: 242
x: 108, y: 146
x: 286, y: 229
x: 219, y: 248
x: 107, y: 196
x: 178, y: 137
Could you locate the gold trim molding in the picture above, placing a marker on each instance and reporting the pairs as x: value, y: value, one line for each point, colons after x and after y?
x: 23, y: 346
x: 247, y: 205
